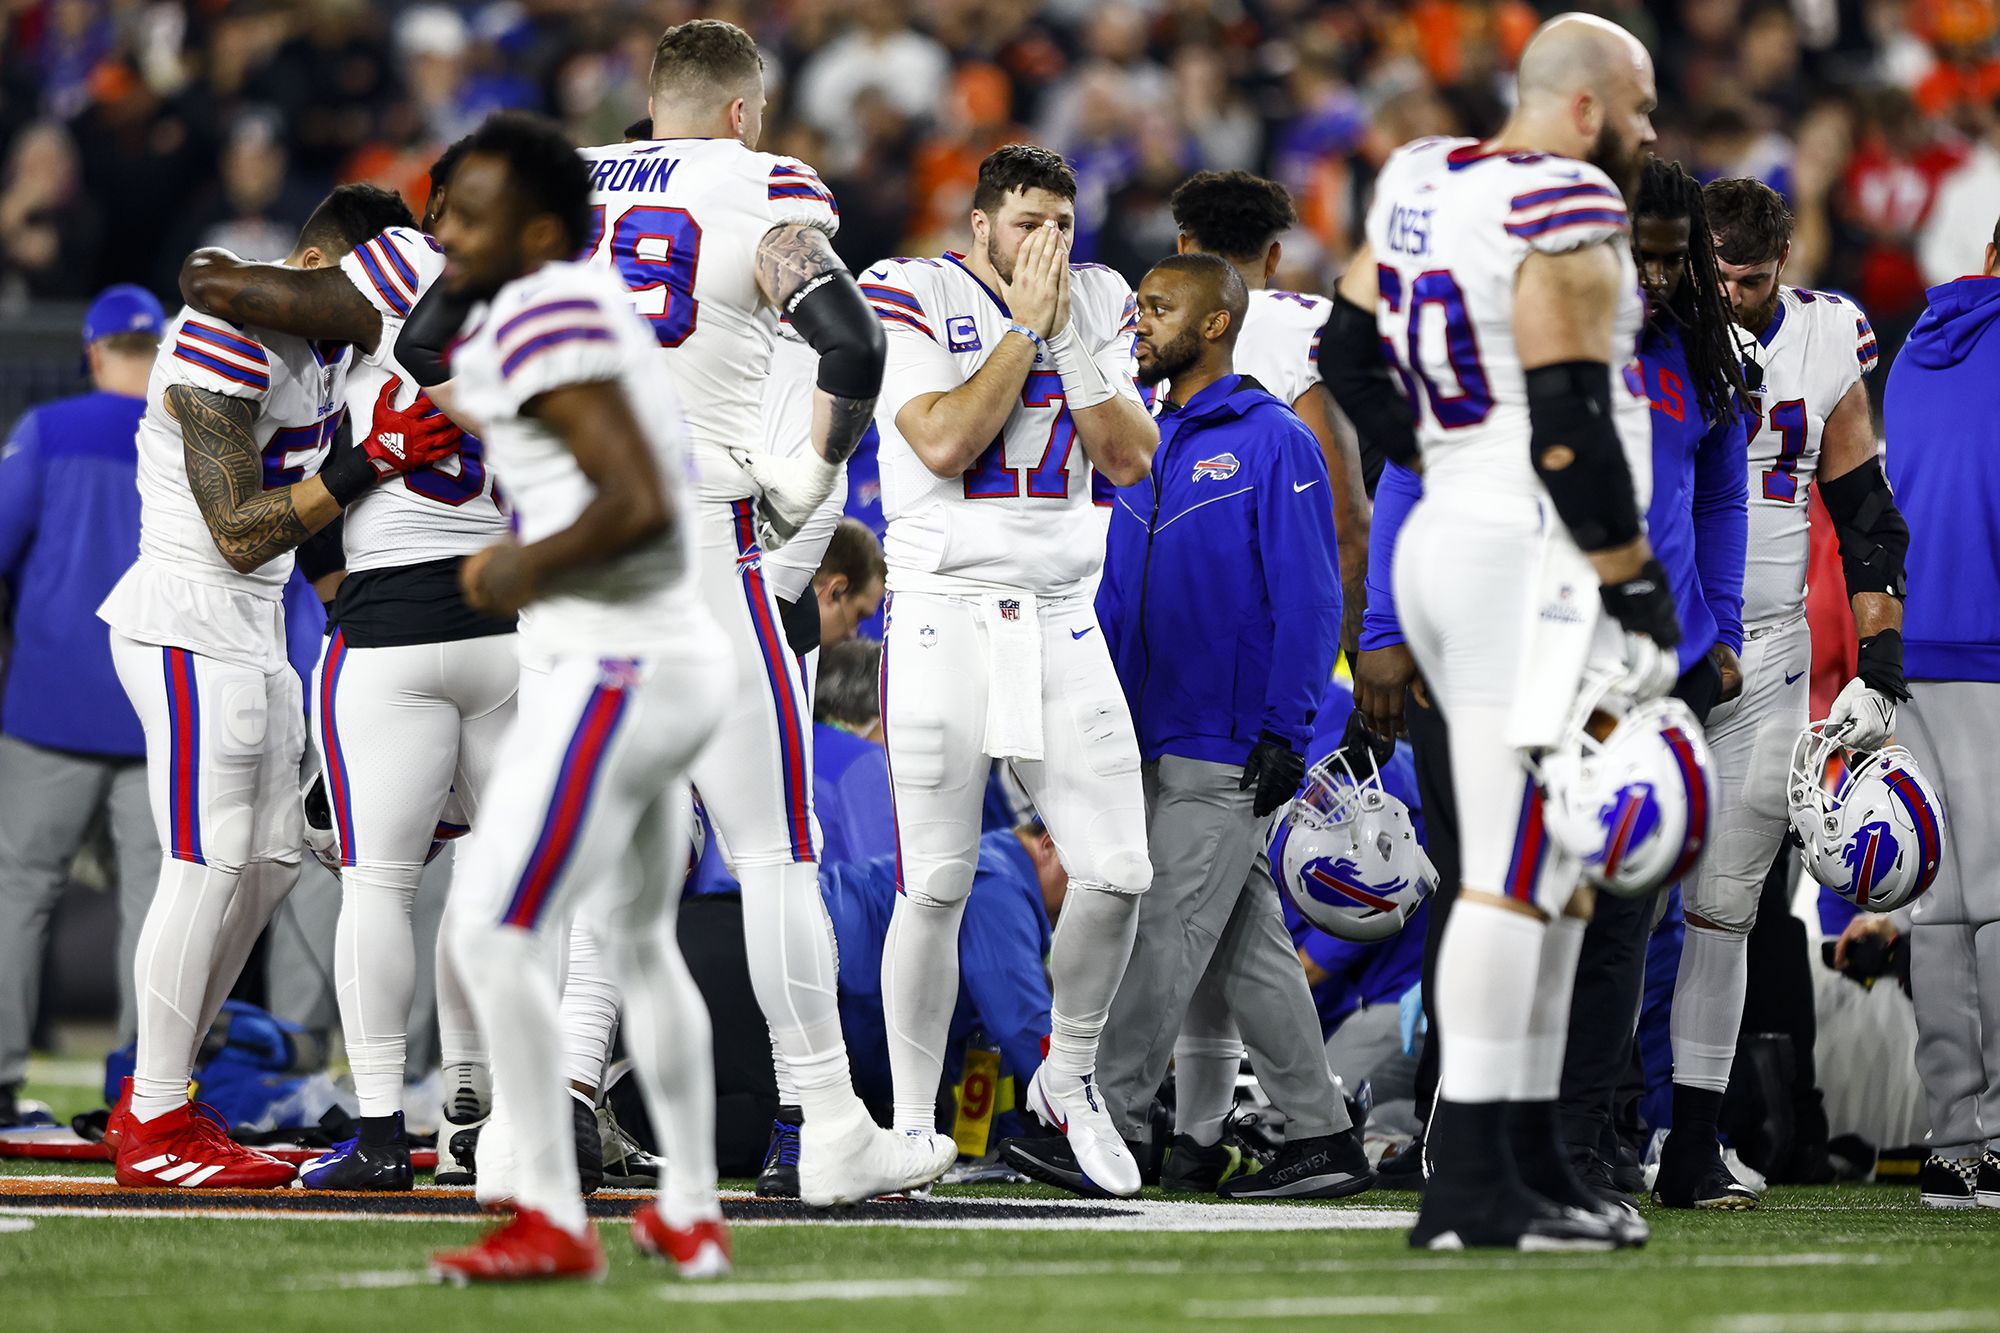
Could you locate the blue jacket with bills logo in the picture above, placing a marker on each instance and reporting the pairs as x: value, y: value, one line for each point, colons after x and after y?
x: 1221, y: 598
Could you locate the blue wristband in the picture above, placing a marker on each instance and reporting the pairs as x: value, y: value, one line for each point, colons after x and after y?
x: 1027, y: 333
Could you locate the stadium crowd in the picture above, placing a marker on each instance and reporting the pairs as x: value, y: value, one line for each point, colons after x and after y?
x: 134, y: 132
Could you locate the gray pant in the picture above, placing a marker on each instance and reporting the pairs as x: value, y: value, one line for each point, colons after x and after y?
x: 48, y: 799
x: 1368, y: 1047
x: 1213, y: 913
x: 1953, y: 730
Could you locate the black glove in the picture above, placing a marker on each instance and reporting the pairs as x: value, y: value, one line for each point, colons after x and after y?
x: 1274, y: 769
x: 1879, y: 664
x: 1644, y: 604
x: 1361, y: 747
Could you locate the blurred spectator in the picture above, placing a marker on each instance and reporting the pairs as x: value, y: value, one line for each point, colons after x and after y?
x: 1770, y: 57
x: 882, y: 53
x: 977, y: 119
x: 1952, y: 243
x: 875, y: 190
x: 254, y: 210
x: 143, y: 159
x: 77, y: 34
x: 1117, y: 72
x: 48, y: 228
x: 1139, y: 227
x: 1897, y: 166
x: 1226, y: 129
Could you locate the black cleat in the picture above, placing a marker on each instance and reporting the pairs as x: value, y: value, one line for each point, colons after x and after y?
x: 1986, y: 1185
x: 1403, y: 1171
x: 354, y: 1165
x: 1329, y: 1166
x: 1695, y: 1176
x: 780, y: 1177
x: 1195, y: 1168
x: 589, y: 1144
x: 627, y: 1165
x: 1951, y: 1182
x: 1051, y: 1161
x: 1509, y: 1218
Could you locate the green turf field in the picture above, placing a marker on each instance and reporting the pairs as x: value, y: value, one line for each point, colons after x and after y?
x: 1811, y: 1261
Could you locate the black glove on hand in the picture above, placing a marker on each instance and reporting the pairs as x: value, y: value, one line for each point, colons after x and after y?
x: 1644, y: 604
x: 1360, y: 746
x: 1274, y: 769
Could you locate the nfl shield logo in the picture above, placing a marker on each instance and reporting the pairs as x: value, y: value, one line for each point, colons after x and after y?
x: 1010, y: 610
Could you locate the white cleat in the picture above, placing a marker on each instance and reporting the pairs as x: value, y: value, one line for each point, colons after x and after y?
x: 1072, y: 1107
x: 852, y: 1158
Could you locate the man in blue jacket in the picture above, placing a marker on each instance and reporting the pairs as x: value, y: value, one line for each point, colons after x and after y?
x: 1221, y: 607
x: 1943, y: 440
x: 70, y: 745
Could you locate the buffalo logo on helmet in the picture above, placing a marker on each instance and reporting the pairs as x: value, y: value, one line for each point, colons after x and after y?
x: 1628, y: 819
x: 1336, y: 881
x: 1868, y: 855
x: 1219, y: 468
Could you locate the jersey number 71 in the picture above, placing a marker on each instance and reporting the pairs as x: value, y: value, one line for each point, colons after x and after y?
x: 655, y: 250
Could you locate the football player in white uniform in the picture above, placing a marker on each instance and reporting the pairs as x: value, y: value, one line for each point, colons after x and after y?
x: 1499, y: 279
x: 1240, y: 217
x: 715, y: 241
x: 589, y: 797
x: 1806, y: 353
x: 415, y: 688
x: 1010, y: 379
x: 234, y: 474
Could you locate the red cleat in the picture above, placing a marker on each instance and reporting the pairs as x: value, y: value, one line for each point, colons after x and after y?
x: 187, y: 1148
x: 699, y: 1251
x: 121, y: 1116
x: 529, y: 1246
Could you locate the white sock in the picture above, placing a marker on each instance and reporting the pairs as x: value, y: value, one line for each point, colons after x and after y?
x: 1548, y: 1016
x: 919, y: 991
x: 589, y: 1013
x: 788, y: 1088
x: 1205, y: 1070
x: 375, y: 968
x: 170, y: 977
x: 259, y: 890
x: 789, y: 943
x: 1708, y: 1006
x: 1486, y: 971
x: 459, y: 1042
x: 1087, y: 957
x: 509, y: 974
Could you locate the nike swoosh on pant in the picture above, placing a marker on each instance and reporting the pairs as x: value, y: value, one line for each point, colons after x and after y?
x: 1296, y: 488
x: 1079, y: 633
x: 1792, y: 676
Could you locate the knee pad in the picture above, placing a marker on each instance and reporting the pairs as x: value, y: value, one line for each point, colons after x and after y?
x: 1104, y: 723
x: 945, y: 888
x: 1727, y: 914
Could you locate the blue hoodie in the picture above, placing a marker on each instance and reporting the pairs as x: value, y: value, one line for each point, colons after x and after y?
x: 1942, y: 451
x: 1220, y: 601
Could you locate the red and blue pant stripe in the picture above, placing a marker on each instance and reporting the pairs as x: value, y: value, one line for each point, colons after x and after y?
x: 569, y: 804
x: 339, y: 793
x: 1531, y: 846
x: 184, y: 758
x: 786, y: 689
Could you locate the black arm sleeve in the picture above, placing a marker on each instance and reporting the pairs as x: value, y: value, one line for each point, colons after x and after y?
x: 322, y: 553
x: 1350, y: 359
x: 837, y: 322
x: 1574, y: 445
x: 1874, y: 539
x: 433, y: 323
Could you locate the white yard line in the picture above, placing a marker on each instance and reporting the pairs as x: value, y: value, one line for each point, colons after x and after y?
x: 749, y: 1293
x: 1869, y: 1321
x: 1314, y: 1307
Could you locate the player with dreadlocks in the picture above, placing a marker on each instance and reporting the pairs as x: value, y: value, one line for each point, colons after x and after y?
x: 1694, y: 381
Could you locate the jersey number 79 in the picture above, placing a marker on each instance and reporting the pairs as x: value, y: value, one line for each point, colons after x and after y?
x: 655, y: 250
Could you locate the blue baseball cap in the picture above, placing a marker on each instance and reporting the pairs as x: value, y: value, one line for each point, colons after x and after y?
x: 125, y: 308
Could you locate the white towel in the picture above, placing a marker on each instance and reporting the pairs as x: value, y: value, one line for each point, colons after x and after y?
x: 1563, y: 612
x: 1013, y: 675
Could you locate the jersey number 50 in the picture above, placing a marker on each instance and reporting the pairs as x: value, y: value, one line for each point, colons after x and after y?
x: 1474, y: 399
x: 655, y: 250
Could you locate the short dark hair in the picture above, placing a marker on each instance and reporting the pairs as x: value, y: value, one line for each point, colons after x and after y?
x: 704, y: 51
x: 854, y: 551
x: 542, y: 165
x: 447, y: 162
x: 1021, y: 166
x: 1749, y: 220
x: 1225, y: 284
x: 351, y: 215
x: 1232, y: 213
x: 849, y: 692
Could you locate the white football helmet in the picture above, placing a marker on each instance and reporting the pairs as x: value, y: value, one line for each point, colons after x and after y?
x: 1872, y: 827
x: 1348, y: 857
x: 1635, y: 804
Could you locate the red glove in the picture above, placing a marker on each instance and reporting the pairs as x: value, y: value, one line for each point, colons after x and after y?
x: 403, y: 439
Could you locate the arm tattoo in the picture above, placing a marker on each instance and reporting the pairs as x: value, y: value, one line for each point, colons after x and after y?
x: 792, y: 258
x: 318, y: 303
x: 225, y: 471
x: 851, y: 418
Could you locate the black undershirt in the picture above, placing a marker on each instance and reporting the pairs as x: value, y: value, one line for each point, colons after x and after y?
x: 409, y: 604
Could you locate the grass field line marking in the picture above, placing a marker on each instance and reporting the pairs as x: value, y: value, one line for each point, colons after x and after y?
x: 748, y: 1293
x: 230, y: 1214
x: 1441, y: 1263
x: 1858, y: 1321
x: 1314, y: 1307
x: 8, y: 1224
x: 378, y: 1281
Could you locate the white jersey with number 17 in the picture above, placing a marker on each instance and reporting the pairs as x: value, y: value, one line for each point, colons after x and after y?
x: 1021, y: 516
x: 679, y: 223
